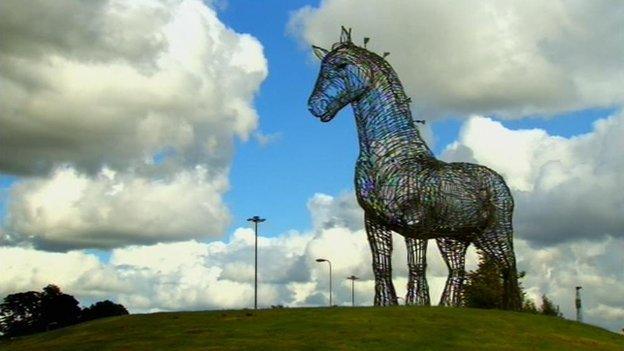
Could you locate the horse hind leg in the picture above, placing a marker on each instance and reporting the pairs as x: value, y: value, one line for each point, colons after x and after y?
x: 454, y: 254
x: 417, y: 287
x: 497, y: 243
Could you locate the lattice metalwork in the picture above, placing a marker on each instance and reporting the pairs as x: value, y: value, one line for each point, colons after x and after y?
x: 403, y: 188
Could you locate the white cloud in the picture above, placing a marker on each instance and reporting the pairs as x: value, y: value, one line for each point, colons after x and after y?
x: 569, y: 215
x: 151, y: 92
x: 71, y: 210
x: 266, y: 139
x: 596, y: 265
x: 191, y: 275
x: 565, y: 188
x: 328, y: 211
x: 504, y: 57
x: 119, y: 82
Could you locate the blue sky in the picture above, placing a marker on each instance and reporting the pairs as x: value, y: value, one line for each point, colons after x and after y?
x: 276, y: 180
x: 115, y: 144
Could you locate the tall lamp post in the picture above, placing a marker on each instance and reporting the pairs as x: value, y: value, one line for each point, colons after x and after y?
x: 353, y: 278
x: 579, y: 315
x: 256, y: 220
x: 330, y: 278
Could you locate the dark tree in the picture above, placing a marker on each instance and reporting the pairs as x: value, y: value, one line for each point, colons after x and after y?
x: 58, y: 309
x: 484, y: 288
x: 548, y: 307
x: 20, y: 314
x: 529, y: 306
x: 103, y: 309
x: 32, y: 312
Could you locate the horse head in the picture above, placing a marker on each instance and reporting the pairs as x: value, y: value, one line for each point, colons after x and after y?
x: 345, y: 76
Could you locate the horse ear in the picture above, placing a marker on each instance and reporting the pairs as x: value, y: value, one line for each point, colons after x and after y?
x: 319, y: 52
x: 345, y: 35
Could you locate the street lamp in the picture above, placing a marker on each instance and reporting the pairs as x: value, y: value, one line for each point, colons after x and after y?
x: 256, y: 220
x: 330, y: 278
x: 579, y: 315
x: 352, y: 278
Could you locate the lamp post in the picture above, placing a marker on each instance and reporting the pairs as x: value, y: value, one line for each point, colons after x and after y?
x: 330, y: 278
x: 352, y: 278
x: 579, y: 316
x: 256, y: 220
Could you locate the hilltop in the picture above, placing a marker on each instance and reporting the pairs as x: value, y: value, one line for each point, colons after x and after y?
x: 362, y: 328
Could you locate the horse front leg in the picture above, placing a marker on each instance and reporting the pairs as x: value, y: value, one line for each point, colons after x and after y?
x: 380, y: 240
x: 417, y: 287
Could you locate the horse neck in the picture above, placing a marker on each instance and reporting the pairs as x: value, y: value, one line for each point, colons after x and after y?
x: 385, y: 124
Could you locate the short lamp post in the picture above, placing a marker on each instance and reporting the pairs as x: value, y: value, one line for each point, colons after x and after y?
x: 352, y: 278
x: 256, y: 220
x: 330, y: 278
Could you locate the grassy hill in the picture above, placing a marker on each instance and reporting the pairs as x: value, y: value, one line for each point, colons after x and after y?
x: 365, y: 328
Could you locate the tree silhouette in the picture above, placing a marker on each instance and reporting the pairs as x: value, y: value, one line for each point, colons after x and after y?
x: 548, y: 307
x: 485, y: 287
x: 31, y: 312
x: 103, y: 309
x: 20, y: 314
x: 58, y: 309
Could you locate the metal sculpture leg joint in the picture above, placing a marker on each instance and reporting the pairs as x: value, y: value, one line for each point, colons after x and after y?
x: 454, y: 253
x: 417, y: 287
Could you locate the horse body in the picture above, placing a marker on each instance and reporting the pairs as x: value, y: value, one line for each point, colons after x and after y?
x: 403, y: 188
x: 427, y: 202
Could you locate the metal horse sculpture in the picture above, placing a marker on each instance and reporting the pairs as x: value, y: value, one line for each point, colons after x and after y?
x: 403, y: 188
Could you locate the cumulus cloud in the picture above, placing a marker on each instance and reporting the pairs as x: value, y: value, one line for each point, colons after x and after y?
x: 195, y: 276
x: 569, y: 215
x: 123, y: 115
x: 596, y: 265
x: 565, y: 188
x: 117, y: 83
x: 71, y: 210
x: 503, y: 57
x: 341, y: 211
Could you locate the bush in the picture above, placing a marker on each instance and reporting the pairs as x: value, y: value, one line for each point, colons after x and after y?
x: 549, y: 308
x: 103, y: 309
x: 32, y: 312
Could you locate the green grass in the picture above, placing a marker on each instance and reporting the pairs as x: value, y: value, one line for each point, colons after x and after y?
x: 365, y: 328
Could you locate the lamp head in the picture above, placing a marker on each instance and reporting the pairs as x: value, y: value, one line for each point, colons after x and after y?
x: 256, y: 219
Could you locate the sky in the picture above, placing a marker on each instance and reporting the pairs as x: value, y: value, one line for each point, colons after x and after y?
x: 136, y: 138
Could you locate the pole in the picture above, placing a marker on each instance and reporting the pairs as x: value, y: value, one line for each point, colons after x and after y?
x: 352, y: 278
x: 330, y: 284
x: 579, y: 315
x: 256, y: 220
x: 330, y: 278
x: 256, y: 267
